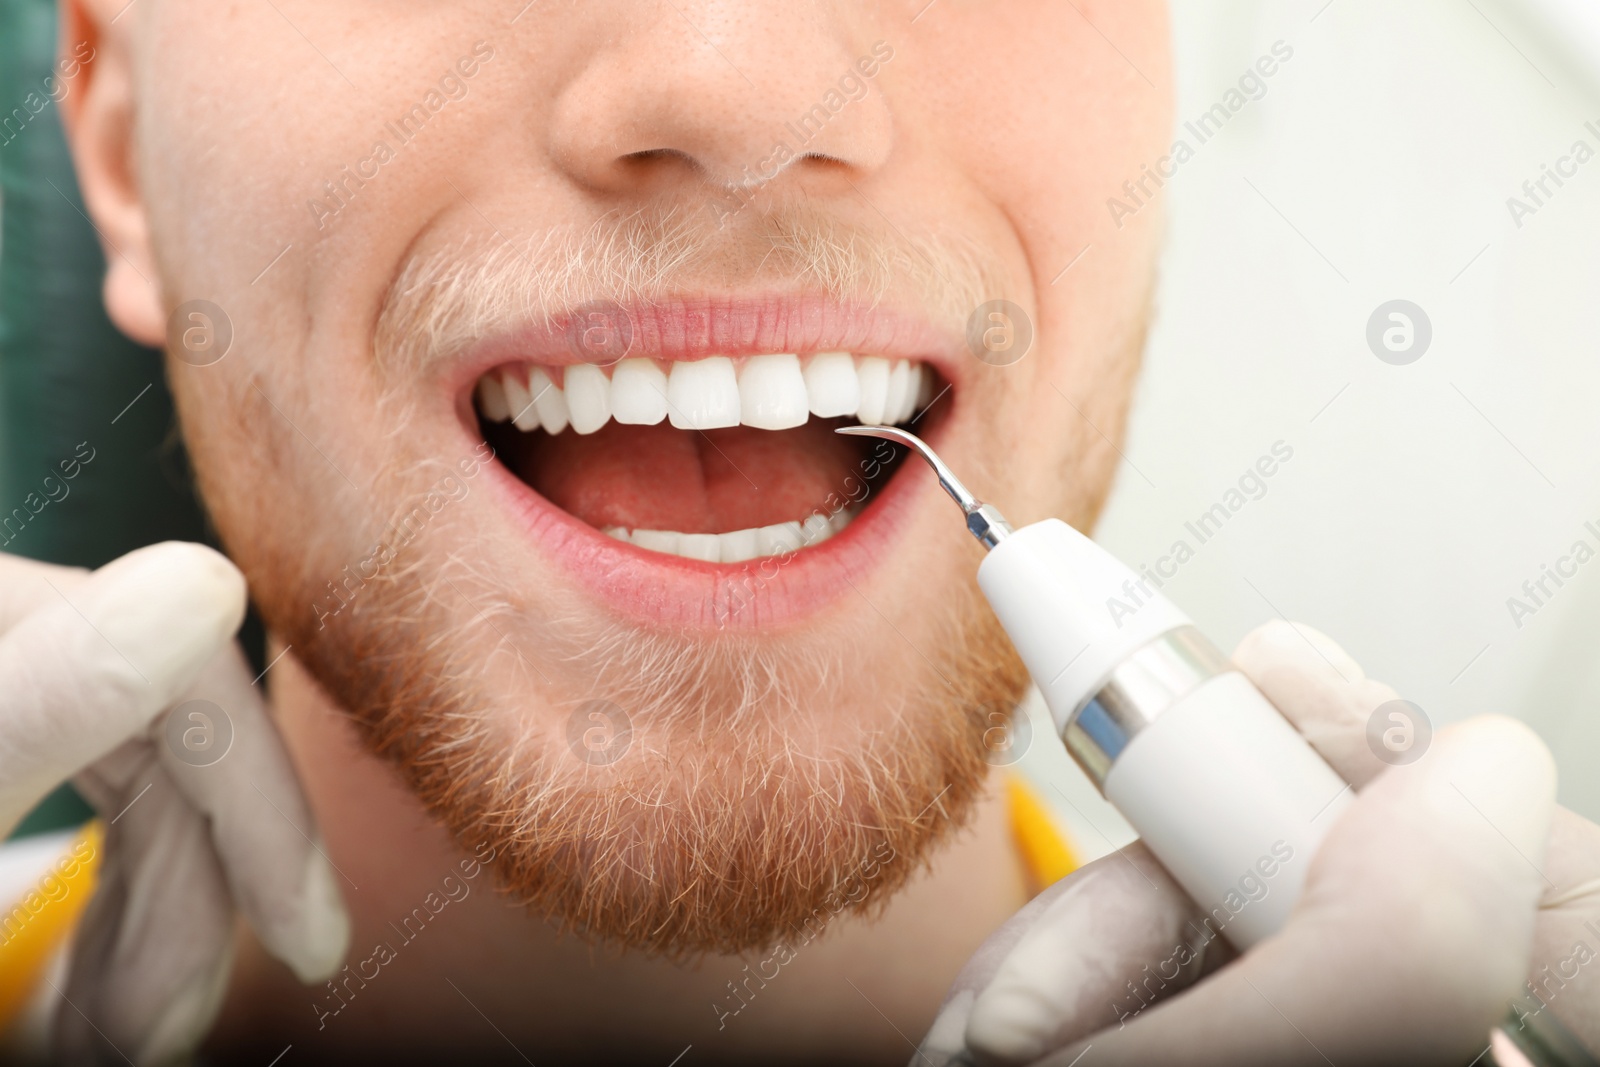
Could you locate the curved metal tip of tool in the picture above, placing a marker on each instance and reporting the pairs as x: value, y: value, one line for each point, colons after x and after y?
x: 984, y: 522
x: 951, y: 483
x: 895, y: 434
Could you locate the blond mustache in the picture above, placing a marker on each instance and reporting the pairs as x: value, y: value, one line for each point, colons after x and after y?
x: 441, y: 302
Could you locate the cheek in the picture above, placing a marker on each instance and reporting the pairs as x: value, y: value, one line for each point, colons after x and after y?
x: 1045, y: 155
x: 244, y: 466
x: 259, y: 156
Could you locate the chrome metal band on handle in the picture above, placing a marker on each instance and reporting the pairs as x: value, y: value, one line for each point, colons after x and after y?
x: 1143, y: 686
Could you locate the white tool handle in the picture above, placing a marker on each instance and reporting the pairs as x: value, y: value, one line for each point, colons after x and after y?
x: 1226, y: 794
x: 1232, y: 801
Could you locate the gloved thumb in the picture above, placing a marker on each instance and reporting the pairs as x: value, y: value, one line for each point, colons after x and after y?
x: 88, y: 671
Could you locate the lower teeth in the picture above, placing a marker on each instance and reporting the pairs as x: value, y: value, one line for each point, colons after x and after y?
x: 738, y: 546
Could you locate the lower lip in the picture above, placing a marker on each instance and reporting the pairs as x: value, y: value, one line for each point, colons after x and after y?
x: 654, y: 588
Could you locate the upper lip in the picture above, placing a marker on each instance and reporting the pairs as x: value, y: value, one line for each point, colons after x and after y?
x: 684, y: 328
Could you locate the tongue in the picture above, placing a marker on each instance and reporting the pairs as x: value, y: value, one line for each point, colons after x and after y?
x: 715, y: 481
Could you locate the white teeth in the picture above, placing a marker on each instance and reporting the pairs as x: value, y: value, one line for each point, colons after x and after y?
x: 703, y: 395
x: 741, y: 545
x: 874, y: 375
x: 548, y: 400
x: 523, y: 414
x: 707, y: 547
x: 831, y: 385
x: 772, y: 393
x: 913, y: 391
x: 588, y: 397
x: 738, y: 546
x: 925, y: 393
x: 816, y: 526
x: 898, y: 405
x: 658, y: 540
x: 492, y: 399
x: 768, y: 392
x: 638, y: 393
x: 784, y: 537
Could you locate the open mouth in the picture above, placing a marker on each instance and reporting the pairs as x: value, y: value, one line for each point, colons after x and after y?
x: 720, y: 460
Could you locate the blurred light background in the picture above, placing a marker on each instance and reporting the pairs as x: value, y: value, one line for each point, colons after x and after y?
x: 1377, y: 166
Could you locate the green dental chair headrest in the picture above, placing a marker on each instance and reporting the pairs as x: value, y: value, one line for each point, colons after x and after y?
x: 71, y: 386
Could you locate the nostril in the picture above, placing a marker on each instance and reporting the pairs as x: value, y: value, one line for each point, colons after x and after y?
x: 650, y: 162
x: 651, y: 155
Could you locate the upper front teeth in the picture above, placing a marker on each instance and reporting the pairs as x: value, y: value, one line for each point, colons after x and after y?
x: 703, y: 395
x: 769, y: 392
x: 588, y: 396
x: 833, y: 385
x: 772, y: 393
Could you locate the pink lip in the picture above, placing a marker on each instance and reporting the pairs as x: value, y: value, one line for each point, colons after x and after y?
x: 684, y: 329
x: 656, y: 589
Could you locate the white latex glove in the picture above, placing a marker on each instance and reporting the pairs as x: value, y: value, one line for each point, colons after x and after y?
x: 1447, y: 883
x: 89, y: 664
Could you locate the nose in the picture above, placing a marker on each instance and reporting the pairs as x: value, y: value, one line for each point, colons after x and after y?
x: 737, y: 94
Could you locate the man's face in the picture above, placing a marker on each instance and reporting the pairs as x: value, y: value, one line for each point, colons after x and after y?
x: 640, y: 228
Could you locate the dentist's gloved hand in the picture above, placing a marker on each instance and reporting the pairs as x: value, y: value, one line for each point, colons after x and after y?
x: 89, y: 666
x: 1446, y: 885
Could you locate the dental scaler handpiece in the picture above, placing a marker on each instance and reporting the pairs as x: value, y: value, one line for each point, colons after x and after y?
x: 1225, y: 793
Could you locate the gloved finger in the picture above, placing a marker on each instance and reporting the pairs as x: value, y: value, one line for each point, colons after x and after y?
x: 1569, y: 913
x: 224, y: 754
x: 86, y: 673
x: 1094, y: 946
x: 27, y: 584
x: 152, y: 953
x: 1324, y: 693
x: 1413, y: 932
x: 1320, y: 689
